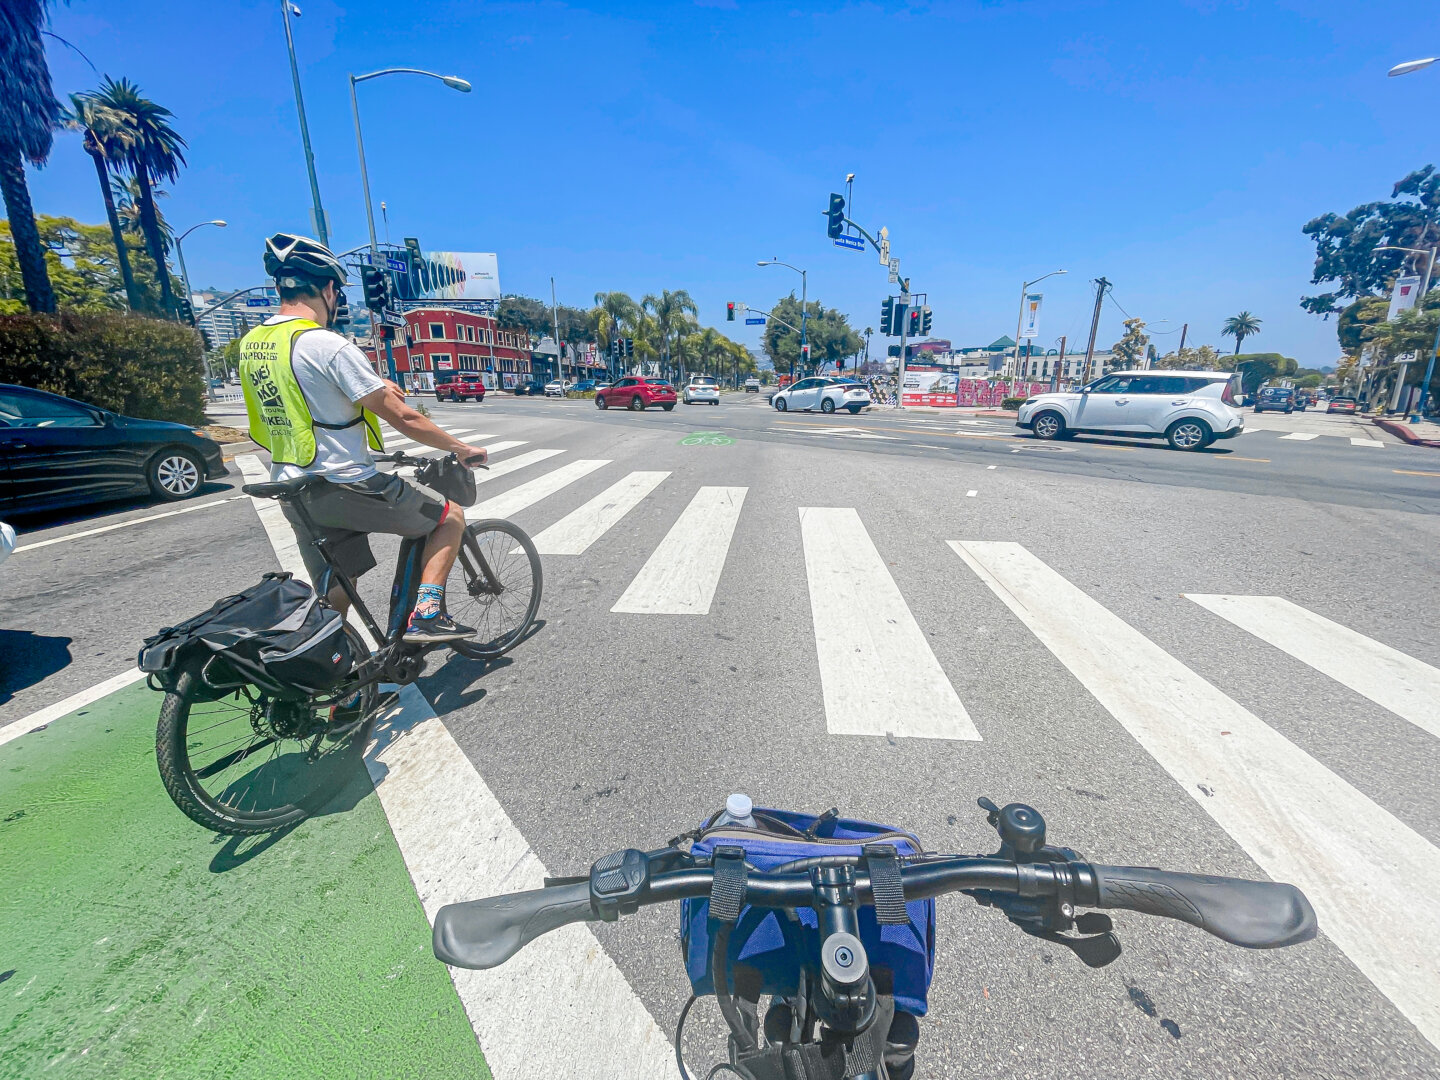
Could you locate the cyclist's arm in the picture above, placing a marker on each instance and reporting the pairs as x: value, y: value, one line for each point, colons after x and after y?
x: 389, y: 404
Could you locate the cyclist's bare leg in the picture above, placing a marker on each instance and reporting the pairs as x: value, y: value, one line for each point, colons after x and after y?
x: 442, y: 546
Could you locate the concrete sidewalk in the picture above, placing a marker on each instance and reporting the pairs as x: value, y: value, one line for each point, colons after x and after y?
x: 1421, y: 433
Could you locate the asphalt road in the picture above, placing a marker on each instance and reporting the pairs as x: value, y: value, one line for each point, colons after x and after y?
x: 612, y: 729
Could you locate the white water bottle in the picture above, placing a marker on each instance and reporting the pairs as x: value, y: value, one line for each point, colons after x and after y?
x: 737, y: 811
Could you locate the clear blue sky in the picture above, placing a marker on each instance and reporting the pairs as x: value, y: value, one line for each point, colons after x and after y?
x: 1176, y: 148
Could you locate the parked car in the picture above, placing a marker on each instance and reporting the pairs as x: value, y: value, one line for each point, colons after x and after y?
x: 823, y: 393
x: 557, y: 388
x: 1341, y: 404
x: 531, y: 387
x: 584, y: 386
x: 702, y: 388
x: 58, y: 452
x: 752, y: 385
x: 634, y: 392
x: 460, y: 388
x: 1275, y: 399
x: 1189, y: 409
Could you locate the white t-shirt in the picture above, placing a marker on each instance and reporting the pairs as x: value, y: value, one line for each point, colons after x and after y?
x: 333, y: 375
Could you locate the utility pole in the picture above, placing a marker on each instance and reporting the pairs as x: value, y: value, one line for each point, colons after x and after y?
x: 559, y: 349
x: 321, y: 232
x: 1100, y: 286
x: 1184, y: 329
x: 1059, y: 363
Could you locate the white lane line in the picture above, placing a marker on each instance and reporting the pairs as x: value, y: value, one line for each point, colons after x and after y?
x: 877, y: 673
x: 1388, y: 677
x: 681, y: 574
x: 51, y: 713
x: 509, y: 465
x: 1301, y: 436
x: 971, y: 494
x: 125, y: 524
x: 400, y: 443
x: 1365, y: 871
x: 531, y: 492
x: 1365, y: 442
x: 991, y: 466
x: 560, y: 1007
x: 575, y: 532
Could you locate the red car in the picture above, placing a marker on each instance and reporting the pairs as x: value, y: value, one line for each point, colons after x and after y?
x: 634, y: 392
x: 460, y: 388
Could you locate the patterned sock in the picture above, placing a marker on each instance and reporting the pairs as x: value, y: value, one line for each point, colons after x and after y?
x: 429, y: 601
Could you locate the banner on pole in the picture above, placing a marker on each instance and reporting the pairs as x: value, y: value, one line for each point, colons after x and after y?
x: 1030, y: 325
x: 1407, y: 290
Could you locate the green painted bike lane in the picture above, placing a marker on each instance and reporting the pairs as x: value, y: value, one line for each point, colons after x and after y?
x: 133, y: 943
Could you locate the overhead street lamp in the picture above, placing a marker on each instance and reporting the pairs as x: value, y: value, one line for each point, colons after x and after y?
x: 1411, y: 65
x: 1020, y: 319
x: 804, y: 312
x: 452, y: 81
x: 180, y: 252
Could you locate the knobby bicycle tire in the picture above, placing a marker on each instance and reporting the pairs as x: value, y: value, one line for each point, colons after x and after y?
x: 175, y: 740
x: 467, y: 607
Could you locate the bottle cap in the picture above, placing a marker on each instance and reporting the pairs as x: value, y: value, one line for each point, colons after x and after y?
x: 739, y: 805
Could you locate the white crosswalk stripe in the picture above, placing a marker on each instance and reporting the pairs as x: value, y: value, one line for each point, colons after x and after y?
x: 575, y: 532
x: 681, y: 574
x: 1362, y: 868
x: 863, y: 626
x: 509, y: 465
x: 531, y: 492
x: 1301, y: 436
x: 1365, y: 442
x: 1386, y: 676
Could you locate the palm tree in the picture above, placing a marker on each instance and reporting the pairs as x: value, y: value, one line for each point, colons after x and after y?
x: 670, y: 310
x: 105, y: 140
x: 29, y: 112
x: 1240, y: 327
x: 154, y: 151
x: 613, y: 312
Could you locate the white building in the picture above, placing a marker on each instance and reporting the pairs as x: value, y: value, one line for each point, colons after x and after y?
x: 235, y: 318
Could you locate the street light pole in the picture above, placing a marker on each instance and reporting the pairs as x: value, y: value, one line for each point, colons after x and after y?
x: 180, y: 252
x: 452, y: 81
x: 1020, y: 319
x: 321, y: 232
x: 804, y: 313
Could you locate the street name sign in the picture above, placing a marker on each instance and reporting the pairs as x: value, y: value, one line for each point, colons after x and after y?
x: 257, y: 301
x: 751, y: 320
x: 855, y: 243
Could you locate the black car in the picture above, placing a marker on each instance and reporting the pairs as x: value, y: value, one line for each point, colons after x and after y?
x: 533, y: 387
x: 56, y: 452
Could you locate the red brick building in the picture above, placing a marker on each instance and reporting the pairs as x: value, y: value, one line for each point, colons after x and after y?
x: 440, y: 341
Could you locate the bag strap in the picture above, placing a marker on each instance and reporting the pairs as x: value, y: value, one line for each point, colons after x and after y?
x: 886, y: 884
x: 727, y: 891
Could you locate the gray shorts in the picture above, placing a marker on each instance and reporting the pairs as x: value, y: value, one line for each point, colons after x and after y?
x: 345, y: 515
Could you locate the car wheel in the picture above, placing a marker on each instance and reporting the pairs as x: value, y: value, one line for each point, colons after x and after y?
x: 600, y: 403
x: 667, y: 408
x: 439, y: 396
x: 715, y: 402
x: 854, y: 409
x: 1049, y: 425
x: 827, y: 406
x: 1188, y: 435
x: 637, y: 404
x: 175, y: 474
x: 780, y: 404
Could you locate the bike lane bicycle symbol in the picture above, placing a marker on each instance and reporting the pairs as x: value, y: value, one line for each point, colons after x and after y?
x: 707, y: 438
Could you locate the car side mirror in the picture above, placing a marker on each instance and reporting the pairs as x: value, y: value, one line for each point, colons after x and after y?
x: 1084, y: 390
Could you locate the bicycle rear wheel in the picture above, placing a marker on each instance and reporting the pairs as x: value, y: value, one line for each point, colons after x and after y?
x: 495, y: 586
x: 240, y: 761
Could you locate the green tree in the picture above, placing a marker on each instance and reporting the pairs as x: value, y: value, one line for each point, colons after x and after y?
x: 1193, y: 358
x: 83, y: 266
x: 1256, y: 368
x: 105, y: 140
x: 1240, y: 327
x: 1346, y: 245
x: 29, y: 112
x: 1129, y: 351
x: 828, y: 332
x: 613, y: 313
x: 153, y: 151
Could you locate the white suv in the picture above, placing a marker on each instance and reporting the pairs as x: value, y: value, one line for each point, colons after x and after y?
x: 1189, y: 409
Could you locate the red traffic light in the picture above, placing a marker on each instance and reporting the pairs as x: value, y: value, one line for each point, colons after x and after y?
x: 730, y: 312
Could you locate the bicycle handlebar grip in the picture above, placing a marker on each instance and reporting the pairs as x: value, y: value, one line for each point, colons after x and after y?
x: 486, y: 933
x: 1251, y: 914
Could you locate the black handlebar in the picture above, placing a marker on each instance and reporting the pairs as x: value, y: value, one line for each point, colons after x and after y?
x: 401, y: 458
x: 1252, y: 914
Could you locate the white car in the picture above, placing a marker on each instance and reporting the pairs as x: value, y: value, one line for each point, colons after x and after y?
x: 752, y: 385
x: 701, y: 388
x: 1189, y: 409
x: 821, y: 393
x: 557, y: 388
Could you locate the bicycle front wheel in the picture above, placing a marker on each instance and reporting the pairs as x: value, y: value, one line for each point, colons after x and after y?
x: 495, y: 587
x: 240, y: 761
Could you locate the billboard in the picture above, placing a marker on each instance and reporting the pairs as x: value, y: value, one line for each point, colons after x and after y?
x: 457, y: 275
x: 1030, y: 326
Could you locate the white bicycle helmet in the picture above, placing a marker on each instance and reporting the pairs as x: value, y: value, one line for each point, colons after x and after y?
x: 294, y: 261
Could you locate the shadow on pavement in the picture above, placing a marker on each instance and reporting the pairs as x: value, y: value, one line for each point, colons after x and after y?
x: 27, y: 657
x: 34, y: 521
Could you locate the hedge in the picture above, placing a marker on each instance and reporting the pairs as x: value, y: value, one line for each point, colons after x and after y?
x: 127, y: 363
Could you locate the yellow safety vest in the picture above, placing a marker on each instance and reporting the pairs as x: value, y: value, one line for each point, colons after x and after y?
x: 280, y: 418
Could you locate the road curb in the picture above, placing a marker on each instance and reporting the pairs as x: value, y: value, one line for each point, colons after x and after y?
x: 1403, y: 431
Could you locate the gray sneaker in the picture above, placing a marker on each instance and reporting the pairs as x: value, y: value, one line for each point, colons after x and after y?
x: 435, y: 629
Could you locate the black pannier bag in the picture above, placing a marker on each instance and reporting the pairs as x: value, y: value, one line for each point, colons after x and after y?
x: 449, y: 477
x: 277, y: 634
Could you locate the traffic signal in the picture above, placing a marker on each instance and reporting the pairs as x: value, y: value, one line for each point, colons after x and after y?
x: 376, y: 288
x: 887, y: 316
x: 342, y: 313
x: 629, y: 347
x: 914, y: 330
x: 893, y: 350
x: 835, y: 216
x: 926, y: 320
x: 185, y: 310
x: 730, y: 312
x: 897, y: 320
x: 805, y: 353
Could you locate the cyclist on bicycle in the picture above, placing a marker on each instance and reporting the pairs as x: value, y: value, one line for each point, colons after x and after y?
x: 313, y: 399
